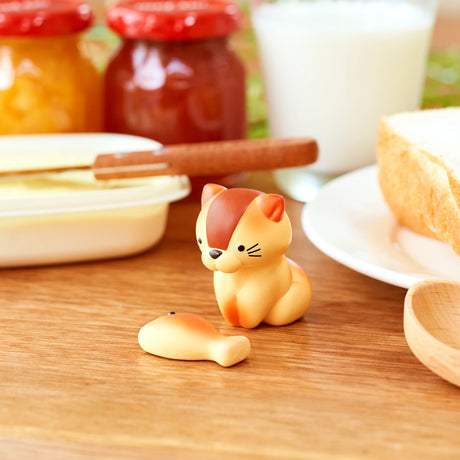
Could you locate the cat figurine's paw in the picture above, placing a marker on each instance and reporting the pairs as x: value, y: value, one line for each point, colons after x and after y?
x: 243, y: 235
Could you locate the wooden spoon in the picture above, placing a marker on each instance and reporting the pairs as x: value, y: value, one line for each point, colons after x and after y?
x: 432, y: 326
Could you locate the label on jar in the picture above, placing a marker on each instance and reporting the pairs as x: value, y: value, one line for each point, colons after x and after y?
x: 171, y: 6
x: 28, y: 5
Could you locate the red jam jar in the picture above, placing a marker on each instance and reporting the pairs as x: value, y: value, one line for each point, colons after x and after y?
x: 175, y: 77
x: 47, y: 83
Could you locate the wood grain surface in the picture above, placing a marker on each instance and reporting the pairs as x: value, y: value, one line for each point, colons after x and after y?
x: 340, y: 383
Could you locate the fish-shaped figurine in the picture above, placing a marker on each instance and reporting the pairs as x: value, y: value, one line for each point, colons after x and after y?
x: 189, y: 337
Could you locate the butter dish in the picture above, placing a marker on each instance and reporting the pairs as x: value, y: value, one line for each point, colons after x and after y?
x: 71, y: 217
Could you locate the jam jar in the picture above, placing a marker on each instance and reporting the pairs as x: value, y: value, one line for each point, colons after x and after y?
x: 47, y: 84
x: 175, y: 77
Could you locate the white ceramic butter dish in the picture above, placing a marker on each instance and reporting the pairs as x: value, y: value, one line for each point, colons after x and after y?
x: 71, y: 217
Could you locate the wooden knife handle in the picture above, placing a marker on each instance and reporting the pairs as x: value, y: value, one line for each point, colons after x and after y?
x: 208, y: 158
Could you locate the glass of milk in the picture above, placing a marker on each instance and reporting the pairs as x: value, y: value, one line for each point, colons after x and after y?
x: 332, y: 69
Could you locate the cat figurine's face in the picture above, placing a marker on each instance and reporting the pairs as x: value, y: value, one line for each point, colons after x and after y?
x: 239, y: 228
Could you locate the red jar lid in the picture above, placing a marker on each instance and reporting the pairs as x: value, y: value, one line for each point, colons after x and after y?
x: 41, y: 18
x: 174, y: 19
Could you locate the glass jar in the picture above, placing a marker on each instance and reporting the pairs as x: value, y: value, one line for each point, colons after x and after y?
x: 47, y: 84
x: 176, y: 78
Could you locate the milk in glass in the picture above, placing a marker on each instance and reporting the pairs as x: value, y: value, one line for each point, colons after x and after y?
x: 332, y: 69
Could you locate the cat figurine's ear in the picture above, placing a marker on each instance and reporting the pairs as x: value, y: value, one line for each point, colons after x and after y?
x: 272, y: 206
x: 210, y: 191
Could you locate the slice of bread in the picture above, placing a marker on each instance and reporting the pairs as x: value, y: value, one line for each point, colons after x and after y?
x: 418, y: 156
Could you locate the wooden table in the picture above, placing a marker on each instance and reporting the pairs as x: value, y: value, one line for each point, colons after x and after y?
x: 340, y: 383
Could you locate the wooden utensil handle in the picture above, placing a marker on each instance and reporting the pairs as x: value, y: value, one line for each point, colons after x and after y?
x: 209, y: 158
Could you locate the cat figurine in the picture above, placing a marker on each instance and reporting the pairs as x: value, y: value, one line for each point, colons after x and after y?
x: 243, y: 235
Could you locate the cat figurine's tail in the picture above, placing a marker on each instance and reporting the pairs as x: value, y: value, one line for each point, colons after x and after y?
x: 295, y: 302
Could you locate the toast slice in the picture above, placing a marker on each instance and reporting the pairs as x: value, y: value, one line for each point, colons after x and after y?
x: 418, y: 156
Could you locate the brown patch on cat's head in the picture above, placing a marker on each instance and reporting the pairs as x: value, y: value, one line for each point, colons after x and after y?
x: 225, y: 212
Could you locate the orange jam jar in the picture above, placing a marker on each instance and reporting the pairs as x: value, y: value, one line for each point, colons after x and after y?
x: 46, y: 83
x: 175, y: 77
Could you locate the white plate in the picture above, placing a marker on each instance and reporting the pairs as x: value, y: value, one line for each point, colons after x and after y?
x: 350, y: 222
